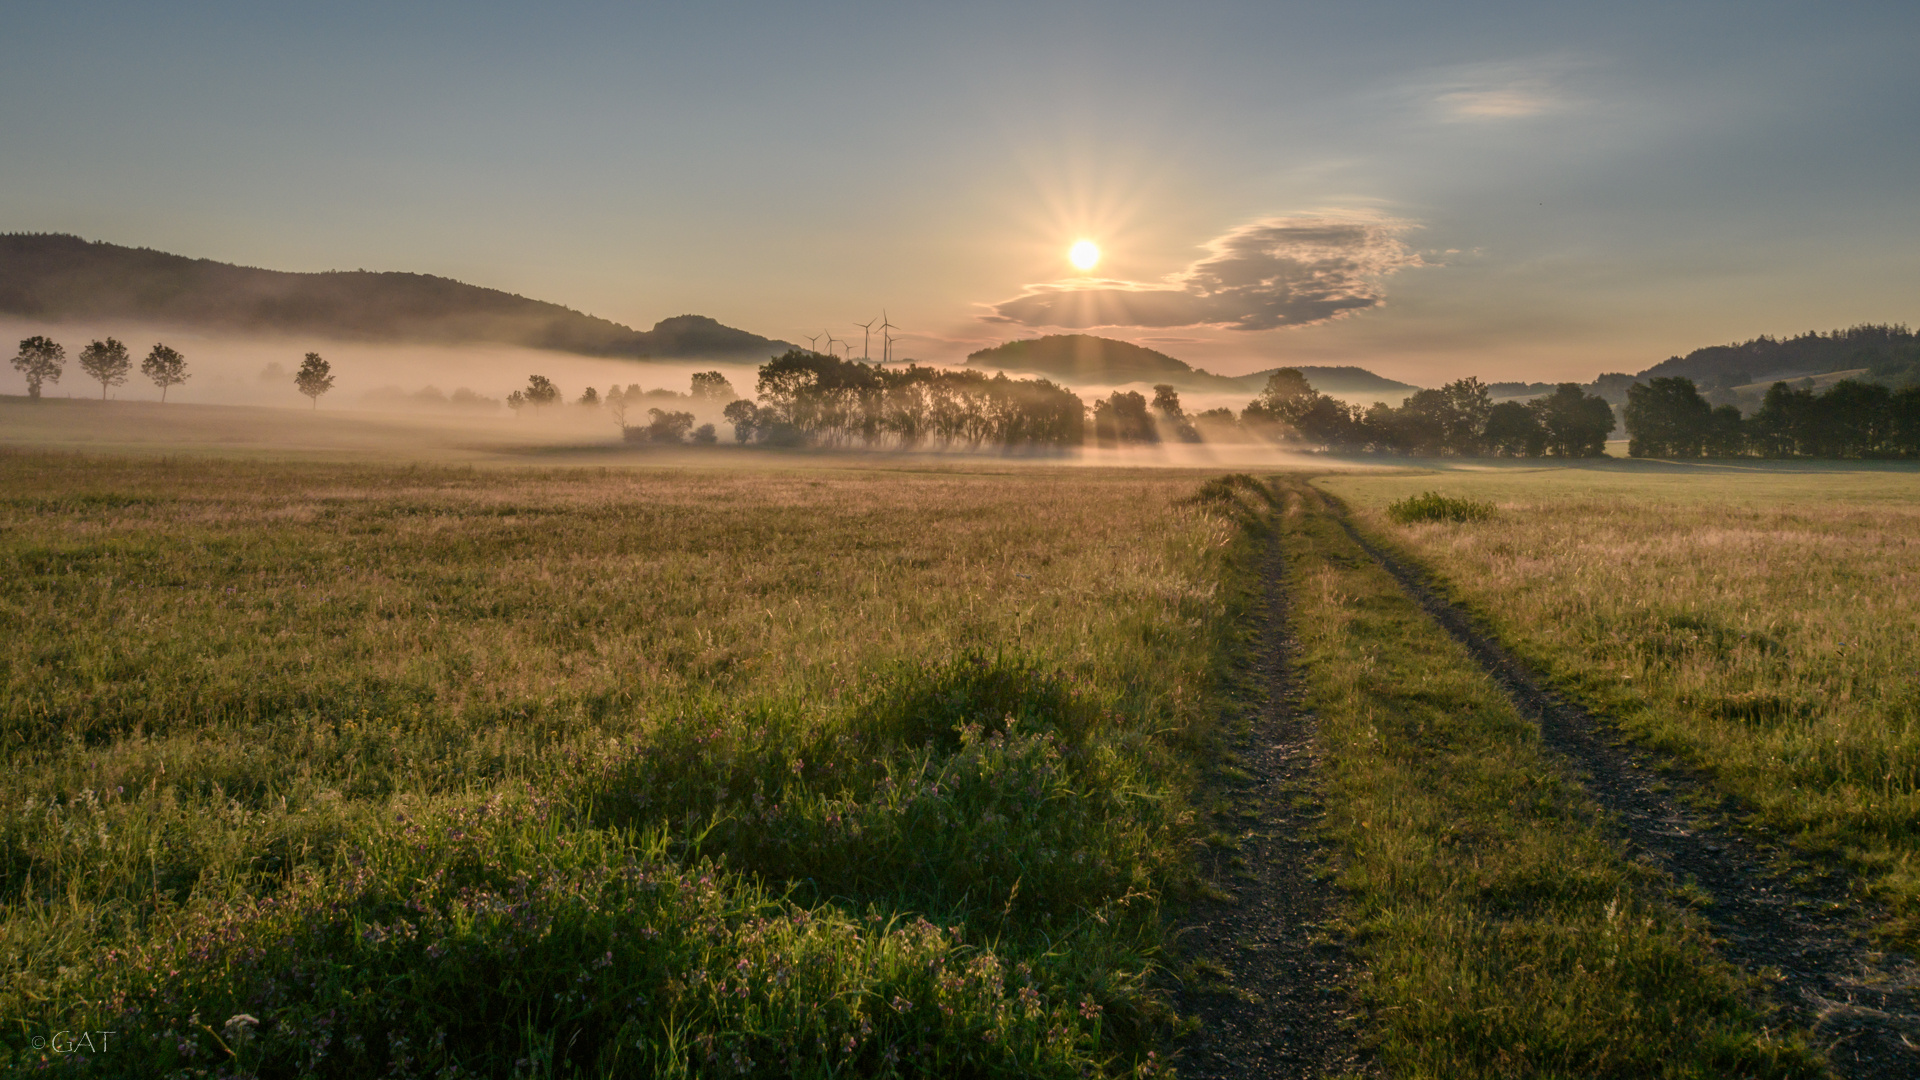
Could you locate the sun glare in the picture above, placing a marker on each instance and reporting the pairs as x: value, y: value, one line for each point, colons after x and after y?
x: 1084, y: 255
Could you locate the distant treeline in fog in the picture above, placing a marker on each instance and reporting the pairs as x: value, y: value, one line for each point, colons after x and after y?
x: 808, y: 397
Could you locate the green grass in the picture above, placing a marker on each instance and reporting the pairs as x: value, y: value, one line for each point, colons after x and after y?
x: 442, y: 771
x: 1756, y: 624
x: 1433, y: 506
x: 1503, y: 933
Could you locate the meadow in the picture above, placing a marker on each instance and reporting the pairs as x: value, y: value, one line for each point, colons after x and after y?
x: 509, y: 763
x: 1501, y: 928
x: 1754, y: 625
x: 333, y: 769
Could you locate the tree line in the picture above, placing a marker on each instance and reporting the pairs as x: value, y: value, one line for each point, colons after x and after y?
x: 1459, y: 419
x: 1668, y: 418
x: 809, y: 397
x: 42, y: 360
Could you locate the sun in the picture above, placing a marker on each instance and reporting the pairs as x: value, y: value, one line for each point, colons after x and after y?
x: 1084, y: 255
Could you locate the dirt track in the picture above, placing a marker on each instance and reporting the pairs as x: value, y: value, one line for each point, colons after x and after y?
x: 1862, y: 1005
x: 1283, y: 1007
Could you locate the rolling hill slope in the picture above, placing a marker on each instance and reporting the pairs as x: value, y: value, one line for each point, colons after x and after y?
x: 65, y: 278
x: 1079, y: 359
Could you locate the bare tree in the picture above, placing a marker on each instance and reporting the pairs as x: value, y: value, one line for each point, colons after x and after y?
x: 165, y: 367
x: 40, y: 360
x: 617, y: 405
x: 314, y: 378
x: 107, y: 362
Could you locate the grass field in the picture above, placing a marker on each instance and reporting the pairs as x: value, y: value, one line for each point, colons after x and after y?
x: 1504, y: 933
x: 441, y: 771
x: 838, y: 766
x: 1756, y: 624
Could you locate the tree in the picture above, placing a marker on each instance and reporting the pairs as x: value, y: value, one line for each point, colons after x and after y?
x: 712, y: 386
x: 668, y: 427
x: 40, y: 359
x: 704, y: 435
x: 1667, y: 418
x: 1783, y: 421
x: 1166, y: 404
x: 617, y: 404
x: 590, y: 398
x: 1576, y: 423
x: 166, y: 367
x: 314, y: 378
x: 1123, y: 418
x: 107, y: 363
x: 1217, y: 425
x: 541, y: 392
x: 1726, y: 433
x: 518, y: 400
x: 1513, y: 430
x: 744, y: 416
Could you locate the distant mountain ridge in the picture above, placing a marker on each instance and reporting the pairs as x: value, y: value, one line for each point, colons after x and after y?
x: 60, y: 277
x: 1085, y: 358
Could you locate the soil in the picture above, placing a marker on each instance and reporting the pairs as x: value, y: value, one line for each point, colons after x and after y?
x: 1267, y: 977
x: 1861, y: 1004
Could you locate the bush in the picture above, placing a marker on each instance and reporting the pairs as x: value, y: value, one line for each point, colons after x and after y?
x: 1433, y: 506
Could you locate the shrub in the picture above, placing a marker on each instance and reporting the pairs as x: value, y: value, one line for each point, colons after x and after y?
x: 1433, y: 506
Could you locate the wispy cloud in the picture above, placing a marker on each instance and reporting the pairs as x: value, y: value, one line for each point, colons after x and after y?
x: 1502, y: 90
x: 1283, y: 271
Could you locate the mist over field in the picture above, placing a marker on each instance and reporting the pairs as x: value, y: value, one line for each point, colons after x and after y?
x: 238, y: 370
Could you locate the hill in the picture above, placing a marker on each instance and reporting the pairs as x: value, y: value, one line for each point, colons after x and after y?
x: 60, y: 278
x: 1084, y: 358
x: 1889, y: 353
x: 1349, y: 382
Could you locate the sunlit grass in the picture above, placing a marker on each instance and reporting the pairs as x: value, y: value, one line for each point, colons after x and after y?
x: 1504, y: 932
x: 1758, y: 624
x: 285, y: 738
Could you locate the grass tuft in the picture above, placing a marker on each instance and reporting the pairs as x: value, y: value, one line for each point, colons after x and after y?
x: 1433, y: 506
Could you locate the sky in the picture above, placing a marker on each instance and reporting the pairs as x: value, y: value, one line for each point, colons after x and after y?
x: 1532, y: 191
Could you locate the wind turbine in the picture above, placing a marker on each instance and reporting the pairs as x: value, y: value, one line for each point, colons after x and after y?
x: 866, y: 335
x: 830, y: 340
x: 886, y: 339
x: 813, y: 341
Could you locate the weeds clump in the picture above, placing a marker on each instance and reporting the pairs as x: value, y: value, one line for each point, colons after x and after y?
x: 1433, y: 506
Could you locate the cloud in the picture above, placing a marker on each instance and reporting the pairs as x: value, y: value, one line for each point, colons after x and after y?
x: 1286, y: 271
x: 1499, y: 91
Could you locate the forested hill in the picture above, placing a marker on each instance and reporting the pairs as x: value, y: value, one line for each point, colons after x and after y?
x: 1888, y: 354
x: 1339, y: 381
x: 1081, y: 359
x: 59, y: 277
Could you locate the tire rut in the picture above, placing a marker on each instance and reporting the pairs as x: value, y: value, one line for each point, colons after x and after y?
x: 1861, y: 1005
x: 1284, y: 1009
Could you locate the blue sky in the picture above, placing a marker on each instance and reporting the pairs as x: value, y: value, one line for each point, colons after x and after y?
x: 1432, y: 190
